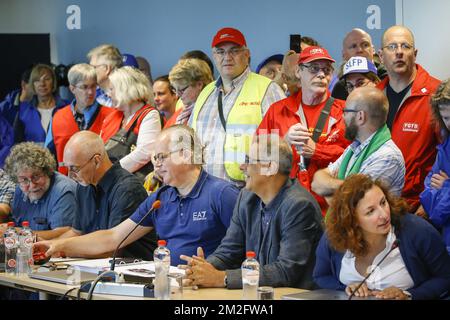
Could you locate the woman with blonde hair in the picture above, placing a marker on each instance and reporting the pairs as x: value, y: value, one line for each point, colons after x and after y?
x: 130, y: 131
x: 34, y: 117
x: 188, y: 77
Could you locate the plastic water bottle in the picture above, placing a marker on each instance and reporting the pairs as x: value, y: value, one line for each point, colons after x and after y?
x: 250, y: 276
x: 26, y: 244
x: 11, y: 244
x: 161, y: 257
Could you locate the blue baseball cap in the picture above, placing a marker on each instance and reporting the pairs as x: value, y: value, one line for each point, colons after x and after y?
x: 129, y: 60
x: 275, y: 57
x: 359, y: 65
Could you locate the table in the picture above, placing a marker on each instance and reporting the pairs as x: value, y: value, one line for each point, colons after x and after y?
x: 48, y: 287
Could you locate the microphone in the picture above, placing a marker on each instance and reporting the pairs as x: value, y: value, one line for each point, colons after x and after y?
x: 155, y: 205
x: 393, y: 247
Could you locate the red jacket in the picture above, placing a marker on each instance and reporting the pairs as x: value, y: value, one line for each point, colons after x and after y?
x: 64, y: 127
x: 415, y: 134
x: 113, y: 122
x: 331, y: 144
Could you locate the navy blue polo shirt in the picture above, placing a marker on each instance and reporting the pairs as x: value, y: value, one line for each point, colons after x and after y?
x: 199, y: 219
x: 114, y: 199
x: 56, y: 208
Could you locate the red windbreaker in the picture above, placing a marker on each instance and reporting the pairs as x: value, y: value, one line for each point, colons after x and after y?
x: 415, y: 133
x: 331, y: 144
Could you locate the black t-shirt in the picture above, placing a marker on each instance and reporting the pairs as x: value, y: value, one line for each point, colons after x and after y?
x: 394, y: 98
x: 117, y: 195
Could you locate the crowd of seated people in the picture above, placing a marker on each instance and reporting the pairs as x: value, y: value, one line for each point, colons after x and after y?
x: 330, y: 174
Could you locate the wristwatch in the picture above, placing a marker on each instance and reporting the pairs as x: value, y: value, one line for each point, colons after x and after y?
x: 225, y: 281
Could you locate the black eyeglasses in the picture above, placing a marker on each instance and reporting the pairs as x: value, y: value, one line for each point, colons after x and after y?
x: 76, y: 169
x: 360, y: 83
x: 314, y: 69
x: 180, y: 92
x: 350, y: 110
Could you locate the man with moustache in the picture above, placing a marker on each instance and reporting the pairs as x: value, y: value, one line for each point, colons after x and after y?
x: 228, y: 111
x: 43, y: 197
x: 372, y: 151
x: 310, y: 120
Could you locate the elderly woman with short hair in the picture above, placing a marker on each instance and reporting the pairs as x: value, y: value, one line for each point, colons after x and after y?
x: 188, y: 77
x: 130, y: 131
x: 83, y: 113
x: 43, y: 197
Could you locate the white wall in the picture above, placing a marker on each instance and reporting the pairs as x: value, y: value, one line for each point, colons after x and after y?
x: 430, y: 22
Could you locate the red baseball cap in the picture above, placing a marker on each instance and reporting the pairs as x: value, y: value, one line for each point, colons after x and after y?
x: 228, y: 35
x: 314, y: 53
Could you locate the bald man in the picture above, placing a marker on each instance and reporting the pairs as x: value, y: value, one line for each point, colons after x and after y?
x: 372, y: 152
x: 107, y: 193
x: 408, y: 88
x: 356, y: 43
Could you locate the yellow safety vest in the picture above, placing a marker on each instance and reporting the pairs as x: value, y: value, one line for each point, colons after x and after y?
x: 242, y: 122
x: 179, y: 105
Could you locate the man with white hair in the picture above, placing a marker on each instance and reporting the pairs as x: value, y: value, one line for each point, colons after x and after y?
x: 105, y: 59
x: 195, y: 209
x: 228, y: 111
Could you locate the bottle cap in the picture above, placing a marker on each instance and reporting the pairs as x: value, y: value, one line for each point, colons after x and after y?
x: 11, y: 224
x: 162, y: 243
x: 251, y: 254
x: 25, y: 224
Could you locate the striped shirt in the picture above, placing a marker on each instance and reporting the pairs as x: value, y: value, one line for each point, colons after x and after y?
x: 386, y: 163
x: 7, y: 188
x: 209, y: 127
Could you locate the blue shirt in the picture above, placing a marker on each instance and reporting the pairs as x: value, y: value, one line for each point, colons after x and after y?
x: 199, y: 219
x: 30, y: 127
x: 6, y: 139
x: 436, y: 202
x: 102, y: 98
x: 56, y: 208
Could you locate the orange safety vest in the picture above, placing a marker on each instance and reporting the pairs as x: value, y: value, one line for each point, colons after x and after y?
x: 64, y: 126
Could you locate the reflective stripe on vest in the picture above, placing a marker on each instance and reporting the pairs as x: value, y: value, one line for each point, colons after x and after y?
x: 241, y: 123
